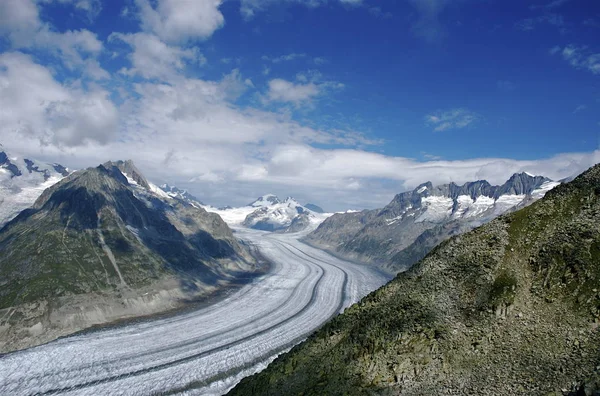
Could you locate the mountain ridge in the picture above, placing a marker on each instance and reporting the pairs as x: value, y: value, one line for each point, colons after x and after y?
x: 100, y: 245
x: 379, y: 236
x: 511, y: 307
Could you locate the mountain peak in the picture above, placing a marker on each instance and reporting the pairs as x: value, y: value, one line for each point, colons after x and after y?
x: 130, y: 171
x: 266, y: 200
x: 175, y: 192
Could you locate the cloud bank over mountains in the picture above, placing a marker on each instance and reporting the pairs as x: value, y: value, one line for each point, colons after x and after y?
x: 62, y: 98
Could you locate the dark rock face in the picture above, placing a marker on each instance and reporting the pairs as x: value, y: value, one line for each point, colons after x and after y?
x: 5, y: 163
x: 519, y: 184
x: 127, y: 167
x: 511, y: 308
x: 388, y: 237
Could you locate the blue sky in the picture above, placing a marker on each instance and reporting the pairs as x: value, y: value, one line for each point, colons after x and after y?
x: 341, y: 102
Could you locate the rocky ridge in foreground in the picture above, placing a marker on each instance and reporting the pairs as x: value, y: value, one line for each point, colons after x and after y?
x: 510, y: 308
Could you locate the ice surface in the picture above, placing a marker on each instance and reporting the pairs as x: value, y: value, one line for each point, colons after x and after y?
x: 211, y: 348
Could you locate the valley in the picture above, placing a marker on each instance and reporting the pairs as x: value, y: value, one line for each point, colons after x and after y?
x: 205, y: 351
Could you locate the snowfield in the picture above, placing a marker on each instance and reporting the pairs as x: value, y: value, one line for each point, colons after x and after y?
x: 206, y: 351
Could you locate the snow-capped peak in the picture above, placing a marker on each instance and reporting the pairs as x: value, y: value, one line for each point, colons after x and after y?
x: 180, y: 194
x: 22, y: 181
x: 266, y: 200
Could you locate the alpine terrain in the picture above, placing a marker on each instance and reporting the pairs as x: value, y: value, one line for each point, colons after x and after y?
x: 269, y: 213
x: 22, y: 180
x: 104, y: 244
x: 404, y: 231
x: 510, y: 308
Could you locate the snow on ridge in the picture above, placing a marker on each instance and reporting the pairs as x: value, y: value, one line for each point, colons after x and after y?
x: 436, y: 209
x: 18, y: 192
x: 543, y: 189
x: 420, y: 190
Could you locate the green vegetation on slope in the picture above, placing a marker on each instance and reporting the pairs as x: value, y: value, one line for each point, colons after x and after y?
x: 512, y: 307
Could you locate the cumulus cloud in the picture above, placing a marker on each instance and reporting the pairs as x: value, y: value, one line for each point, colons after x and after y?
x: 36, y: 106
x: 152, y: 58
x: 451, y: 119
x: 76, y: 49
x: 580, y: 57
x: 177, y: 21
x: 190, y: 132
x: 285, y: 91
x: 19, y: 20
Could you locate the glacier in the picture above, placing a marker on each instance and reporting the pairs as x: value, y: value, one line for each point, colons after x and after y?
x: 206, y: 351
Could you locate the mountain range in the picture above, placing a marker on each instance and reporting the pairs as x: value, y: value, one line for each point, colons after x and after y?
x: 104, y: 244
x: 510, y: 308
x: 414, y: 222
x: 270, y: 213
x: 22, y: 180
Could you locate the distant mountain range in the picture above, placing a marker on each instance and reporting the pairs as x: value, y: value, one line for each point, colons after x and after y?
x: 22, y: 180
x: 102, y: 244
x: 414, y: 222
x: 269, y: 213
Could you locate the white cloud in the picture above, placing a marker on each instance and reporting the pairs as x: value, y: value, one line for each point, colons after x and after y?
x: 19, y: 20
x: 285, y: 91
x: 283, y: 58
x: 579, y: 57
x: 177, y: 21
x: 77, y: 49
x: 451, y: 119
x: 579, y: 108
x: 189, y: 132
x: 152, y: 58
x: 35, y: 106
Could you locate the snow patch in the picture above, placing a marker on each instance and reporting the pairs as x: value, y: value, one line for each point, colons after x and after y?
x: 437, y: 209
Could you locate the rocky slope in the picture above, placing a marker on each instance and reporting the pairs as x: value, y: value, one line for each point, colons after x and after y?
x: 22, y: 180
x: 511, y: 308
x: 103, y: 244
x: 397, y: 236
